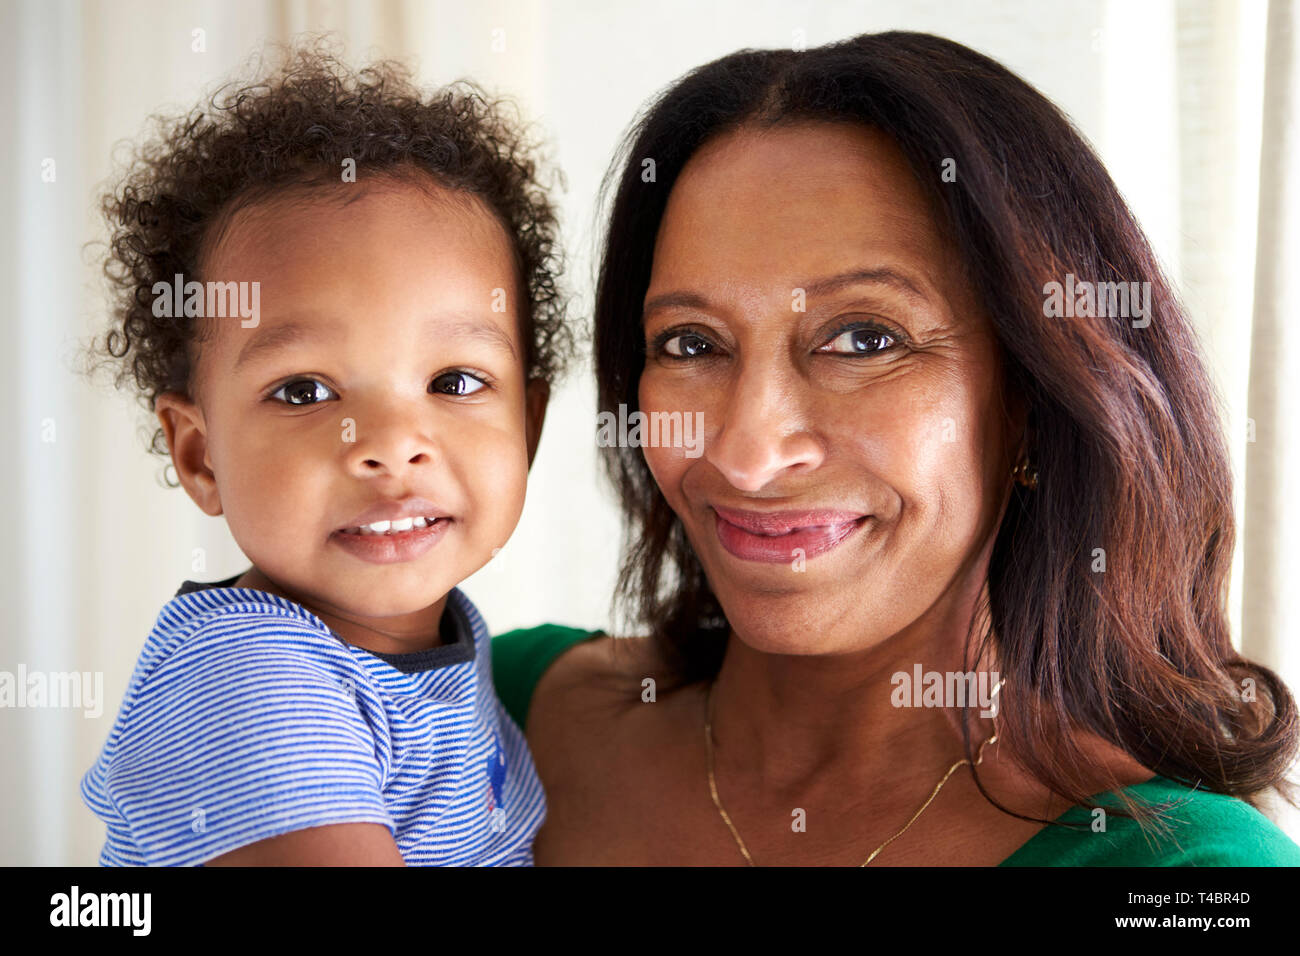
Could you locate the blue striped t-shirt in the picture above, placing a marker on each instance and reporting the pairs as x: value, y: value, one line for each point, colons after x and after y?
x: 246, y: 718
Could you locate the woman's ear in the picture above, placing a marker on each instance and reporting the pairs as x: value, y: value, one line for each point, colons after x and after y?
x: 536, y: 394
x: 1019, y: 434
x: 187, y: 440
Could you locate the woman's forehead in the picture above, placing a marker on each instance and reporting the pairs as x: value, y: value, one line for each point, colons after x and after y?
x: 773, y: 206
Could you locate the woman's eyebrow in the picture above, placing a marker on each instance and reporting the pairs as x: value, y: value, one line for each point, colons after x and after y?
x: 675, y: 300
x: 812, y: 289
x: 883, y: 276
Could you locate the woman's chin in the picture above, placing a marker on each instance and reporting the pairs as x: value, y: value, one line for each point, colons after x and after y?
x: 799, y: 628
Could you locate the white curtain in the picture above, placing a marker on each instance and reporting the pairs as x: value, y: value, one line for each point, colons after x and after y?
x: 1270, y: 623
x: 1194, y: 107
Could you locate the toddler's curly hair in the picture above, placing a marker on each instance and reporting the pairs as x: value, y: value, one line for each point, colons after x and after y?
x: 294, y: 129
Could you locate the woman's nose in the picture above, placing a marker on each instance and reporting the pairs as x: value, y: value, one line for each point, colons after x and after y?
x: 763, y: 433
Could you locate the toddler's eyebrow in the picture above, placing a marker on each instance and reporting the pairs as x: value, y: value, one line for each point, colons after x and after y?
x: 485, y: 332
x: 279, y: 336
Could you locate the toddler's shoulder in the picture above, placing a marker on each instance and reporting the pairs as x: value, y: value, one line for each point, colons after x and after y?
x: 229, y: 648
x: 245, y: 624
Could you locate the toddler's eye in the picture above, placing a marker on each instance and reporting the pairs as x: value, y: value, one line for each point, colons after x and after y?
x: 303, y: 391
x: 686, y: 345
x: 859, y: 342
x: 456, y: 383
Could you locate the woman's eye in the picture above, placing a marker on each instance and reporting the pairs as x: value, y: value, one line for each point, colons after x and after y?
x: 686, y: 345
x: 303, y: 391
x: 456, y: 383
x: 859, y: 342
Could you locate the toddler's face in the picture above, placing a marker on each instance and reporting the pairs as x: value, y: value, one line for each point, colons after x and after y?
x: 386, y: 366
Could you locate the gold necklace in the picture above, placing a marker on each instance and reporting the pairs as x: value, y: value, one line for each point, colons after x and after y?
x: 713, y: 785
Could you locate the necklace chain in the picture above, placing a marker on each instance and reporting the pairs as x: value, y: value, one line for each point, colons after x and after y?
x: 713, y: 786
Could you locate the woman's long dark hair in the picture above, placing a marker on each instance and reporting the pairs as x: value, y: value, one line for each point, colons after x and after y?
x: 1123, y: 422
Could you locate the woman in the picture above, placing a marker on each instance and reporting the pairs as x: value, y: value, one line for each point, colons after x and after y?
x: 949, y: 573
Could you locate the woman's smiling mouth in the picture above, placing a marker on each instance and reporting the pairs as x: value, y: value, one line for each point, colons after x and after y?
x: 781, y: 537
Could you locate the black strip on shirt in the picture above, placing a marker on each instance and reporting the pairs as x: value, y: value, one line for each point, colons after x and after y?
x: 457, y: 645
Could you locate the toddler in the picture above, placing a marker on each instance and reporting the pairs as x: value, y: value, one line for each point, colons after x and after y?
x: 337, y: 294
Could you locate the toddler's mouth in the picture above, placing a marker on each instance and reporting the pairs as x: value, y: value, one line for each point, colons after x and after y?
x: 394, y: 531
x: 397, y: 526
x: 394, y: 540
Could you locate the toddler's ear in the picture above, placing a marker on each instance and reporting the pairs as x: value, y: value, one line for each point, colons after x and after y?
x: 185, y: 431
x: 536, y: 394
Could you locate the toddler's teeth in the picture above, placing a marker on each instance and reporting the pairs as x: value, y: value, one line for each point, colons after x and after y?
x: 393, y: 527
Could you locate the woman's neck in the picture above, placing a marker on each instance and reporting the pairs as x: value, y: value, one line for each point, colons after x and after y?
x: 859, y: 716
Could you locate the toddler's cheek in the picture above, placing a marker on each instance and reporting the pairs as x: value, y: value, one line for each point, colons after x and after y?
x: 499, y: 497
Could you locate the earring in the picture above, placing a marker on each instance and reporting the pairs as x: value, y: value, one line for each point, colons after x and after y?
x: 1025, y: 474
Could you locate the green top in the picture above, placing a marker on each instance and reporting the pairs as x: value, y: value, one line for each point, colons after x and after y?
x: 1207, y: 829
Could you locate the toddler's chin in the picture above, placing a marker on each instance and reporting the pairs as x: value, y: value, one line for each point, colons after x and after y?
x: 390, y: 605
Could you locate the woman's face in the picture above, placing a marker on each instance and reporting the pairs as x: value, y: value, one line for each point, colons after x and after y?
x: 856, y: 454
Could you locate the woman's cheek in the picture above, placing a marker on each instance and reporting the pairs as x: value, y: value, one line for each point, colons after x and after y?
x: 666, y: 472
x: 669, y: 464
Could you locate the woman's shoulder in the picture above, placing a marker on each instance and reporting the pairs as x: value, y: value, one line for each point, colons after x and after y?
x: 550, y: 662
x: 1200, y: 828
x: 521, y: 657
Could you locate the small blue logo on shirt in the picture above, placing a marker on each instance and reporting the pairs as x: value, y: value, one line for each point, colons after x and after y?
x: 496, y: 769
